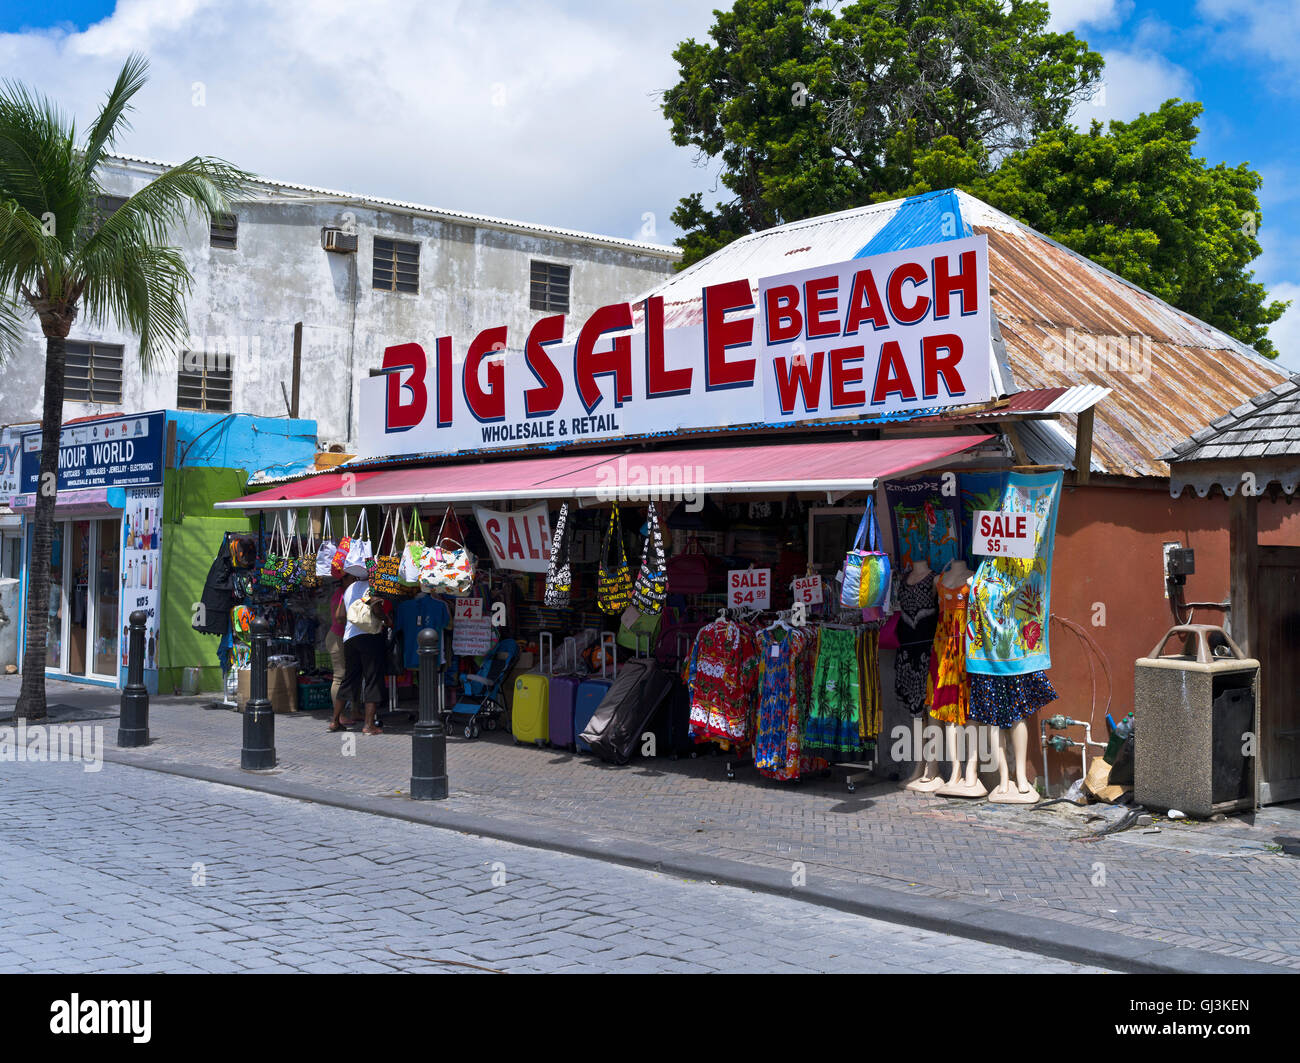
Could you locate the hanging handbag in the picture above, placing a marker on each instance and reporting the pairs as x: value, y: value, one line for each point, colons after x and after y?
x: 382, y: 569
x: 614, y: 580
x: 448, y: 567
x: 559, y: 577
x: 866, y: 566
x: 688, y: 572
x: 308, y: 579
x: 413, y: 553
x: 327, y: 549
x: 243, y: 551
x: 340, y: 558
x: 271, y: 576
x: 359, y: 551
x: 651, y: 587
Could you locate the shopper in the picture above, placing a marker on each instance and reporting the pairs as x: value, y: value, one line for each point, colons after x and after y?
x: 363, y: 656
x: 334, y: 644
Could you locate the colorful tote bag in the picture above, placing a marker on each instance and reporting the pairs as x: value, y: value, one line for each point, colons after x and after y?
x: 278, y: 565
x: 383, y: 569
x: 340, y: 558
x: 651, y: 587
x: 448, y: 566
x: 412, y: 552
x: 614, y: 578
x: 866, y: 566
x: 305, y: 576
x: 559, y: 577
x: 1010, y: 602
x: 359, y: 550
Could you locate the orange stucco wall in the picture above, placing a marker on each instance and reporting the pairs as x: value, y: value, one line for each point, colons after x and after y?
x: 1108, y: 554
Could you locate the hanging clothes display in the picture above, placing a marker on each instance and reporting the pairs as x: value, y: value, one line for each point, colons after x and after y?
x: 918, y: 608
x: 724, y: 670
x: 784, y: 676
x: 947, y: 691
x: 836, y: 709
x: 871, y: 716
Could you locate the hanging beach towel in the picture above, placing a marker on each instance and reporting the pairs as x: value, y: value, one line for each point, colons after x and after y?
x: 866, y: 571
x: 359, y: 551
x: 614, y: 580
x: 651, y: 588
x: 559, y: 577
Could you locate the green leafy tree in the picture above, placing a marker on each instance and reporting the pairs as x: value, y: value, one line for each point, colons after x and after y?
x: 61, y: 256
x: 812, y: 110
x: 1137, y: 200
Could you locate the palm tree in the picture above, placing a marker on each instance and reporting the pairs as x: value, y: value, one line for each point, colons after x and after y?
x: 60, y: 256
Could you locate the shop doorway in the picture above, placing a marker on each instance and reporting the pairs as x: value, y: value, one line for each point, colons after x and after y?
x: 85, y: 593
x: 1277, y: 583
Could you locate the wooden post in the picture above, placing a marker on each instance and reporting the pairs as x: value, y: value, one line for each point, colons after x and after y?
x: 1243, y: 539
x: 1083, y: 446
x: 297, y: 368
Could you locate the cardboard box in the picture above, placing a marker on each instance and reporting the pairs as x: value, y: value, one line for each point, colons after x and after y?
x: 281, y: 688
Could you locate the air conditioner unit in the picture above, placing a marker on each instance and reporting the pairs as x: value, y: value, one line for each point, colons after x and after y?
x: 338, y: 241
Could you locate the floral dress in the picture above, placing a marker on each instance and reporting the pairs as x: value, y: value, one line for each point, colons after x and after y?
x: 947, y: 691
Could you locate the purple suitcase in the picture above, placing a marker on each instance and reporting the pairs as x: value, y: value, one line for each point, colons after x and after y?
x: 563, y: 695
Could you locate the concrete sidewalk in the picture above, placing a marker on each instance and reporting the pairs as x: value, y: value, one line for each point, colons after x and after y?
x: 1193, y: 897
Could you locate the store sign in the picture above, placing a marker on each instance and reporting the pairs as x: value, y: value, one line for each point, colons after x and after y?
x: 1005, y: 534
x: 519, y: 540
x: 808, y: 589
x: 114, y: 452
x: 11, y: 447
x: 749, y: 588
x: 908, y: 330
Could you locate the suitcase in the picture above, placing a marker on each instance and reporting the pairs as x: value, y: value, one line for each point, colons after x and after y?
x: 671, y: 724
x: 620, y: 720
x: 563, y: 686
x: 530, y: 699
x: 591, y: 692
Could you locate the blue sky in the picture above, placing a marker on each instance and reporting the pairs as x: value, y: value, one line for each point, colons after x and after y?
x: 546, y: 111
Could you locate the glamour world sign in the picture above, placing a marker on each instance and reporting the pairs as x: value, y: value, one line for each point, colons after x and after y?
x: 908, y: 330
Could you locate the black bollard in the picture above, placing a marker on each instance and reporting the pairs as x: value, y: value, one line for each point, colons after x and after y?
x: 258, y: 753
x: 133, y: 723
x: 429, y: 739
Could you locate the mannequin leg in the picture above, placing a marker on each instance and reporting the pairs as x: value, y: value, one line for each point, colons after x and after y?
x: 965, y: 750
x: 1018, y: 792
x: 927, y: 778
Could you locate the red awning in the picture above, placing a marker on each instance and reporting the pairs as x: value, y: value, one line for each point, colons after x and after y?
x: 847, y: 465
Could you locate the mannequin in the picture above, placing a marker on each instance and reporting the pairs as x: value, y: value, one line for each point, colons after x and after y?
x: 961, y: 739
x: 1019, y: 792
x: 926, y: 778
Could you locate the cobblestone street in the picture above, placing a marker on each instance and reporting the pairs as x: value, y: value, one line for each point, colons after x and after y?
x: 131, y: 870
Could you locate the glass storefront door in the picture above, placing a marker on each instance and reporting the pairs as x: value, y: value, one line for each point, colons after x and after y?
x: 85, y: 589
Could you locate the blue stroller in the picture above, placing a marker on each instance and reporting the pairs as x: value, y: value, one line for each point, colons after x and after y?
x: 483, y: 692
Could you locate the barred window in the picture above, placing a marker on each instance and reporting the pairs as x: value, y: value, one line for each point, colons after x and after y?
x: 549, y: 287
x: 92, y: 372
x: 204, y: 382
x: 224, y: 231
x: 396, y: 266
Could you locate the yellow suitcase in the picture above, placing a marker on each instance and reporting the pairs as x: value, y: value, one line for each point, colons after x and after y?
x: 528, y: 715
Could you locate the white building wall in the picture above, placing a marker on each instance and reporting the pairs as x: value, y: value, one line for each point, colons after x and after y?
x: 473, y: 274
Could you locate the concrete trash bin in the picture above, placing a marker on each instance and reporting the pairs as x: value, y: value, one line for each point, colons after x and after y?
x: 1196, y: 725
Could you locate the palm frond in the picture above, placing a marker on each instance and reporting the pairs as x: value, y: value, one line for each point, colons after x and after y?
x: 143, y: 287
x: 112, y: 118
x: 13, y: 328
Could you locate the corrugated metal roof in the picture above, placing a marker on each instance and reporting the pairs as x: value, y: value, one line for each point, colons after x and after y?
x: 484, y: 220
x: 1167, y: 372
x: 1039, y: 402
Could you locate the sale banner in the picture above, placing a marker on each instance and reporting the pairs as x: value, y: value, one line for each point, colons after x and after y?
x: 749, y: 588
x: 1005, y: 534
x: 807, y: 589
x: 519, y: 539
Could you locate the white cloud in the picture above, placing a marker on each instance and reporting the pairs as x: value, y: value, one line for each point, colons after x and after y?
x: 1285, y: 331
x: 539, y: 112
x: 1262, y: 27
x: 1133, y: 82
x: 1069, y: 15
